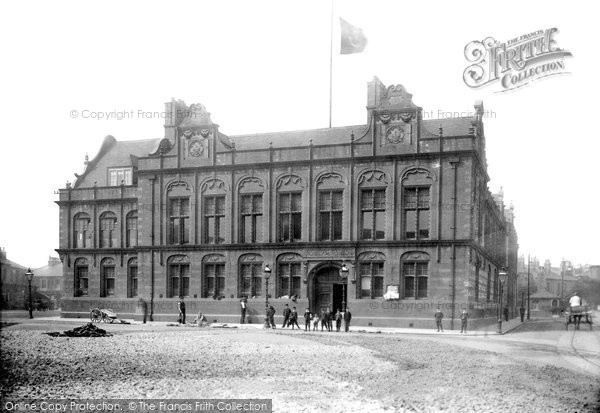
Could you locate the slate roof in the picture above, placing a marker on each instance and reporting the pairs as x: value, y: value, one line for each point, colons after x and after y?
x: 451, y: 126
x: 52, y: 270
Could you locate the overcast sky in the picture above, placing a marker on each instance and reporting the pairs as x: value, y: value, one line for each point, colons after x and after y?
x: 263, y: 66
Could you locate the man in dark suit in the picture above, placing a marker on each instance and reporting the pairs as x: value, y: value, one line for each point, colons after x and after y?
x: 347, y: 318
x: 286, y: 316
x: 181, y: 308
x: 243, y: 305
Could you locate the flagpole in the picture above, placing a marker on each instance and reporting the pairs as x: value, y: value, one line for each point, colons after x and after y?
x: 330, y: 63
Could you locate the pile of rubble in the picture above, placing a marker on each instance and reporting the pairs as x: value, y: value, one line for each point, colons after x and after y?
x: 88, y: 330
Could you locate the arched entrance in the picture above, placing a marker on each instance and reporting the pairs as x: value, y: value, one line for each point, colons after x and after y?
x: 328, y: 289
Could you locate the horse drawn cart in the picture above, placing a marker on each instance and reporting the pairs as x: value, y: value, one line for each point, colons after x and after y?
x: 574, y: 315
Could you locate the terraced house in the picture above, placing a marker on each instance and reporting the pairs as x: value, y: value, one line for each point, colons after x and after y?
x: 401, y: 202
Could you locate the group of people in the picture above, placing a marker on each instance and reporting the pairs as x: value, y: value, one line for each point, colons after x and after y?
x: 325, y: 319
x: 439, y: 316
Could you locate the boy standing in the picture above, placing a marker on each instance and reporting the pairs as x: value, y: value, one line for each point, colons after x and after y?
x: 439, y: 316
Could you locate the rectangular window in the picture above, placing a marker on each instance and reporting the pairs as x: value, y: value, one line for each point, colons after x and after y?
x: 416, y: 202
x: 133, y: 281
x: 250, y: 279
x: 109, y: 281
x: 289, y: 279
x: 290, y: 216
x: 415, y: 276
x: 214, y: 216
x: 179, y: 216
x: 372, y: 206
x: 330, y: 215
x: 108, y: 235
x: 214, y: 285
x: 131, y: 230
x: 179, y: 280
x: 82, y: 281
x: 371, y: 279
x: 251, y: 219
x: 120, y: 176
x: 80, y: 232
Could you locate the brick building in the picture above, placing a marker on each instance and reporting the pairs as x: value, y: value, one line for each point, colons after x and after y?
x: 401, y: 201
x: 14, y: 287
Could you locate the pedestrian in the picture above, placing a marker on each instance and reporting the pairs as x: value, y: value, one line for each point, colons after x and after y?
x: 522, y: 312
x: 243, y: 304
x: 463, y: 321
x: 307, y: 316
x: 347, y: 318
x: 338, y: 320
x: 324, y: 320
x: 315, y: 320
x: 272, y: 316
x: 439, y: 316
x: 181, y: 308
x: 330, y: 316
x: 294, y: 318
x: 286, y: 316
x: 505, y: 311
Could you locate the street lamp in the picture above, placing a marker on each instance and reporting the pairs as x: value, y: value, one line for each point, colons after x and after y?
x: 29, y: 275
x: 344, y: 276
x: 502, y: 276
x: 266, y: 276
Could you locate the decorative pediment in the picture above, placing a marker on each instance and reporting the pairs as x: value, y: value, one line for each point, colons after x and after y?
x: 397, y: 97
x: 289, y: 257
x: 415, y: 256
x: 251, y: 184
x: 251, y: 258
x: 195, y: 116
x: 373, y: 176
x: 330, y: 180
x: 213, y: 258
x: 178, y: 259
x: 178, y: 188
x: 213, y: 185
x: 371, y: 256
x: 290, y: 181
x: 107, y: 261
x: 417, y: 176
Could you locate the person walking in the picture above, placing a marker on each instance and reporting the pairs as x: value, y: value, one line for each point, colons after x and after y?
x: 286, y: 316
x: 338, y: 320
x: 294, y: 318
x: 439, y: 316
x: 307, y: 317
x: 243, y: 305
x: 181, y: 308
x: 315, y: 321
x: 505, y: 311
x: 463, y: 321
x: 522, y: 313
x: 271, y: 314
x: 330, y: 316
x: 347, y: 318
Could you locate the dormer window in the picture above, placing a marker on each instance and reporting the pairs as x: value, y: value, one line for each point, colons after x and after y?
x: 120, y: 176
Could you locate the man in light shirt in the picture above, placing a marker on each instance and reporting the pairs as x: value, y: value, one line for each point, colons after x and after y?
x: 575, y: 301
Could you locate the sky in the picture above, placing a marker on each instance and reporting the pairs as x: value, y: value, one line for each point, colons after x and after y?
x: 261, y: 66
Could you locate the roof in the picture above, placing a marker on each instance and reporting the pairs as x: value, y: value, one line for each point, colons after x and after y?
x: 459, y: 126
x: 555, y: 276
x: 52, y: 270
x: 113, y: 153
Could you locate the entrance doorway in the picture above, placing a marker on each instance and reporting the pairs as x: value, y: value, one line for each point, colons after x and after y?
x: 328, y: 290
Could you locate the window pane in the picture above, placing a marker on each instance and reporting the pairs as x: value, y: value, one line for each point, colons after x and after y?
x: 324, y: 201
x: 325, y: 225
x: 337, y: 225
x: 209, y: 206
x: 210, y: 287
x: 410, y: 197
x: 185, y: 286
x: 296, y: 286
x: 410, y: 224
x: 365, y: 287
x: 377, y: 286
x: 220, y: 286
x: 423, y: 198
x: 110, y: 286
x: 409, y: 287
x: 185, y: 232
x: 337, y: 201
x: 409, y: 268
x: 296, y: 226
x: 285, y: 227
x: 424, y: 224
x: 220, y: 205
x: 258, y: 228
x: 220, y: 230
x: 377, y: 268
x: 379, y: 201
x: 367, y: 199
x: 83, y: 286
x: 257, y: 204
x: 296, y: 202
x: 422, y: 268
x: 365, y: 269
x: 174, y: 287
x: 174, y: 207
x: 367, y: 225
x: 421, y: 287
x: 209, y: 225
x: 379, y: 225
x: 285, y: 286
x: 284, y: 202
x: 113, y: 178
x: 295, y: 269
x: 258, y: 286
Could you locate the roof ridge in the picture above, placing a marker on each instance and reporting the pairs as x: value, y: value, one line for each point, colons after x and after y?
x: 296, y: 130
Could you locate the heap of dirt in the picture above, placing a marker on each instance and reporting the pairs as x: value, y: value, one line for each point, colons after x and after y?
x: 88, y: 330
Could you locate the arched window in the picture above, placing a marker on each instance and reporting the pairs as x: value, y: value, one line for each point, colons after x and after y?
x: 213, y: 276
x: 289, y: 206
x: 81, y: 230
x: 289, y: 275
x: 330, y: 187
x: 370, y: 272
x: 250, y: 276
x: 131, y: 235
x: 178, y: 212
x: 132, y: 278
x: 251, y: 210
x: 372, y: 205
x: 178, y: 267
x: 214, y: 218
x: 81, y: 277
x: 108, y: 233
x: 415, y: 274
x: 107, y: 277
x: 416, y: 194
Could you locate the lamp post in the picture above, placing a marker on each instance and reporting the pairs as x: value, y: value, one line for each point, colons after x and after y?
x: 502, y: 276
x: 29, y: 275
x: 266, y: 276
x: 344, y: 276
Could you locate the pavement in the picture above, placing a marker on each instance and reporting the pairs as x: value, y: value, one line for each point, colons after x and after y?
x: 54, y: 317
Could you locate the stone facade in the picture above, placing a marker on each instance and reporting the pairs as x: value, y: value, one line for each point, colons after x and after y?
x: 401, y: 202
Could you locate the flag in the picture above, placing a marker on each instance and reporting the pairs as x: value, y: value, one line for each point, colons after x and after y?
x: 353, y: 38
